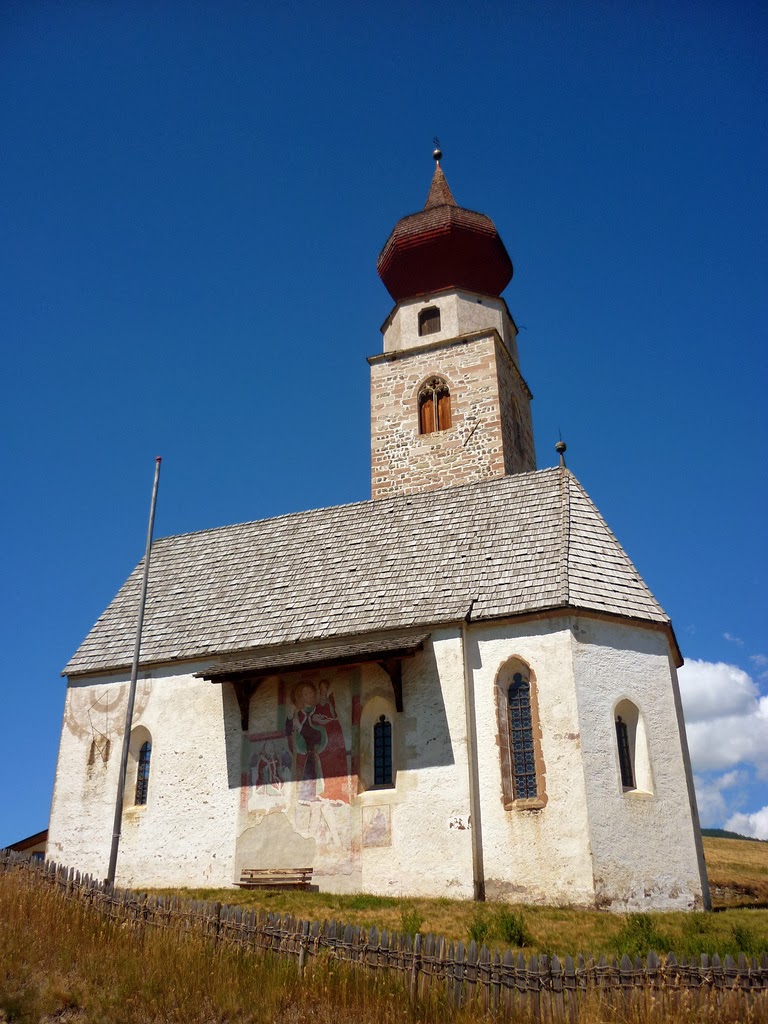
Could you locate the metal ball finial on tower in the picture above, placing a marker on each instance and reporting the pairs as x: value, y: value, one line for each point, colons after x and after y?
x: 437, y: 153
x: 560, y: 448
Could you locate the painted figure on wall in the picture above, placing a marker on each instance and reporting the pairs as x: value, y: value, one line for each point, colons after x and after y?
x: 270, y: 768
x: 316, y: 738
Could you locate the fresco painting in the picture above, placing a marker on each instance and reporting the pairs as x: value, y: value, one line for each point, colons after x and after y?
x: 300, y: 761
x: 270, y: 769
x: 316, y: 740
x: 377, y: 826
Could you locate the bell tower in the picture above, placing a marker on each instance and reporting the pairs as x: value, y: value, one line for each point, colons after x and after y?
x: 448, y: 402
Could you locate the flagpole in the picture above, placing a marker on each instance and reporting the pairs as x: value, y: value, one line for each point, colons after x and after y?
x: 132, y: 689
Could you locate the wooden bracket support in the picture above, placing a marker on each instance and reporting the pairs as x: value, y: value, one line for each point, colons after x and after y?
x: 244, y: 690
x: 394, y: 669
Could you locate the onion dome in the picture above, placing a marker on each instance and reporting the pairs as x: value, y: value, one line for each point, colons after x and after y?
x: 443, y: 246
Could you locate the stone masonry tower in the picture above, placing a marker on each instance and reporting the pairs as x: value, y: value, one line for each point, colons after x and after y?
x: 448, y: 402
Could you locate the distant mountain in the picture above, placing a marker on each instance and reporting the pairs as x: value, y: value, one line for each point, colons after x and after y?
x: 720, y: 833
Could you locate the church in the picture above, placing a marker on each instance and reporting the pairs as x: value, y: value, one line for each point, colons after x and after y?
x: 461, y: 687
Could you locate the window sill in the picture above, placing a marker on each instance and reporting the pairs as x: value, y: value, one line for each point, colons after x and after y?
x: 534, y: 803
x: 138, y: 809
x: 377, y: 794
x: 637, y: 794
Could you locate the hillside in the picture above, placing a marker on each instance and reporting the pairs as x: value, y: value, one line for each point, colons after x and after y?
x: 737, y: 871
x: 722, y: 833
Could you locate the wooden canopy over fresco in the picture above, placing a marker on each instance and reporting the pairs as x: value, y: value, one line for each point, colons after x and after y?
x: 245, y: 672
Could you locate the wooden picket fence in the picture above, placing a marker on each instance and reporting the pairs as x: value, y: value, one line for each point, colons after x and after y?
x: 506, y: 985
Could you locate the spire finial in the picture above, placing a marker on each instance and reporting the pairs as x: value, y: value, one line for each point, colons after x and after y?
x: 437, y: 153
x: 560, y: 448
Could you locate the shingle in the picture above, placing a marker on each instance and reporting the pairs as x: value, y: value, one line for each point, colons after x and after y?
x: 381, y: 645
x: 517, y: 544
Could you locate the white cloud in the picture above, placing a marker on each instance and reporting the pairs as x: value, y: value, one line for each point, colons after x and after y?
x: 761, y: 660
x: 710, y: 799
x: 733, y: 639
x: 727, y: 728
x: 755, y: 825
x: 712, y: 690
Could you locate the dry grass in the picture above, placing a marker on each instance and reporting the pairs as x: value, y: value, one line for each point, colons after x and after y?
x: 62, y: 962
x: 738, y: 872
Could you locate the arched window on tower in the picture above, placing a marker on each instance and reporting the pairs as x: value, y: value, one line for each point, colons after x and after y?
x: 434, y: 406
x: 429, y: 320
x: 142, y: 773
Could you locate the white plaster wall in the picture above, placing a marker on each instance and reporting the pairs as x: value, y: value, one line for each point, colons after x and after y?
x: 408, y: 838
x: 430, y: 852
x: 185, y: 834
x: 460, y: 313
x: 644, y: 844
x: 592, y: 843
x: 533, y: 855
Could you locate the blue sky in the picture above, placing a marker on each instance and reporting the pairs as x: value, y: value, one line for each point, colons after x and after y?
x: 193, y: 196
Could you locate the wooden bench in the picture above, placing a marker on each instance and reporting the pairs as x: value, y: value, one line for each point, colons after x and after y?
x: 276, y: 878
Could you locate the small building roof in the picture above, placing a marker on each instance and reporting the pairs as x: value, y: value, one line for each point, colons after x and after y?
x: 38, y: 839
x: 515, y: 545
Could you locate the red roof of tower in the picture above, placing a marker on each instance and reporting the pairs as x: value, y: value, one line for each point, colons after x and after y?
x: 444, y: 246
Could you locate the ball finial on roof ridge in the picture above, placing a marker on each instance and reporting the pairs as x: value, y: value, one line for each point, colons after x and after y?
x: 437, y: 153
x: 561, y: 448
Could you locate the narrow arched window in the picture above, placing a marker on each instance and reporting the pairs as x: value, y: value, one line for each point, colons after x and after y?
x: 625, y: 754
x: 632, y: 748
x: 382, y: 752
x: 521, y: 741
x: 434, y: 406
x: 142, y: 773
x: 429, y: 320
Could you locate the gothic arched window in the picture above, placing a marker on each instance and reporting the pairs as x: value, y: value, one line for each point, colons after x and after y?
x: 434, y: 406
x: 522, y: 765
x: 429, y: 320
x: 142, y: 773
x: 382, y: 752
x: 522, y: 750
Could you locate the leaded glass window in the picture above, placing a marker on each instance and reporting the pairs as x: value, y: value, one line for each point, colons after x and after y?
x: 382, y: 752
x: 521, y: 742
x: 142, y: 775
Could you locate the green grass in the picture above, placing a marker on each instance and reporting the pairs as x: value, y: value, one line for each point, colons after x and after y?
x: 738, y: 871
x: 527, y: 929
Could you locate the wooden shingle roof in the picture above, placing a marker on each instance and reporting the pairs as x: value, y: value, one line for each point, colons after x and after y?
x: 515, y: 545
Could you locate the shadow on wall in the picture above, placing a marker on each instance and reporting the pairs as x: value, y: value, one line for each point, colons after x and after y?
x: 620, y: 636
x: 316, y: 740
